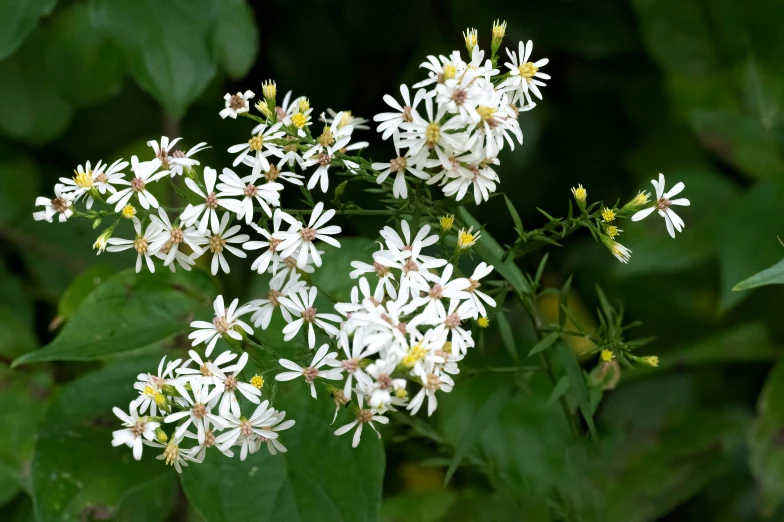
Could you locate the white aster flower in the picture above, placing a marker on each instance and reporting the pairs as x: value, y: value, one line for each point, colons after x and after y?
x: 277, y: 171
x: 298, y: 240
x: 355, y: 352
x: 220, y: 241
x: 226, y: 322
x: 385, y: 276
x: 275, y: 425
x: 141, y: 243
x: 170, y: 238
x: 477, y: 297
x: 259, y: 147
x: 174, y: 161
x: 483, y: 179
x: 270, y: 258
x: 405, y: 243
x: 523, y: 75
x: 226, y: 381
x: 61, y: 203
x: 264, y: 308
x: 346, y: 118
x: 442, y: 288
x: 202, y: 374
x: 663, y: 202
x: 381, y: 389
x: 144, y: 174
x: 267, y: 194
x: 450, y: 323
x: 432, y: 382
x: 199, y: 452
x: 391, y: 121
x: 208, y: 211
x: 198, y: 409
x: 425, y: 134
x: 312, y: 372
x: 172, y: 454
x: 364, y: 416
x: 398, y: 166
x: 300, y: 305
x: 243, y: 432
x: 150, y: 387
x: 86, y: 178
x: 136, y: 430
x: 236, y: 104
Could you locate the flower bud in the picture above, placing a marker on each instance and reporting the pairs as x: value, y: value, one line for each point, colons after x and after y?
x: 499, y: 31
x: 128, y: 211
x: 446, y: 222
x: 580, y: 195
x: 608, y: 215
x: 103, y: 239
x: 161, y: 436
x: 264, y: 109
x: 257, y: 381
x: 483, y: 322
x: 638, y: 201
x: 466, y: 238
x: 269, y: 90
x: 471, y: 39
x: 607, y: 355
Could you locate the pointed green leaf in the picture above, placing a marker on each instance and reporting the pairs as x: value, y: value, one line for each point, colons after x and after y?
x: 544, y: 343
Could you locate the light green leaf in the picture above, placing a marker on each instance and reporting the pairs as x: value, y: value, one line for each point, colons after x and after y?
x: 560, y: 388
x: 17, y: 19
x: 304, y: 484
x: 515, y: 216
x: 77, y: 474
x: 765, y: 441
x: 546, y: 342
x: 578, y: 388
x: 166, y: 45
x: 128, y: 312
x: 80, y: 288
x: 236, y: 38
x: 770, y: 276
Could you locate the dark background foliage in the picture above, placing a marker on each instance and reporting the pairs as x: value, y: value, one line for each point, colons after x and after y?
x: 691, y: 89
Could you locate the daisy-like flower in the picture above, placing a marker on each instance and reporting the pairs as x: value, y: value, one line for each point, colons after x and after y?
x: 325, y: 160
x: 144, y: 174
x: 391, y: 121
x: 364, y: 416
x: 384, y: 274
x: 244, y: 432
x: 278, y: 424
x: 346, y: 119
x: 259, y: 147
x: 86, y: 178
x: 288, y: 107
x: 415, y: 275
x: 226, y: 381
x: 61, y: 203
x: 199, y: 452
x: 300, y: 305
x: 208, y: 211
x: 174, y: 161
x: 405, y: 243
x: 270, y: 256
x: 458, y: 96
x: 236, y: 104
x: 298, y: 240
x: 398, y: 166
x: 141, y: 243
x: 136, y: 430
x: 197, y: 411
x: 264, y: 308
x: 442, y: 288
x: 277, y: 171
x: 441, y: 69
x: 483, y: 179
x: 172, y: 454
x: 381, y: 389
x: 314, y: 371
x: 620, y: 252
x: 170, y: 238
x: 450, y: 323
x: 663, y: 202
x: 150, y: 387
x: 202, y: 373
x: 467, y: 238
x: 355, y: 352
x: 524, y: 76
x: 226, y: 322
x: 220, y: 240
x: 425, y: 134
x: 432, y: 382
x: 333, y: 137
x: 232, y: 186
x: 475, y: 296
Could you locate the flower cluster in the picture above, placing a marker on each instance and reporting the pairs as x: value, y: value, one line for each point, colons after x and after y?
x: 409, y: 323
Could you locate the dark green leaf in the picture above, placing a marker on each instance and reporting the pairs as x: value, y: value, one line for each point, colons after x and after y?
x: 560, y: 388
x: 544, y: 343
x: 80, y: 288
x: 507, y: 337
x: 579, y: 387
x: 770, y: 276
x: 236, y: 37
x: 17, y: 19
x: 515, y: 216
x: 765, y: 441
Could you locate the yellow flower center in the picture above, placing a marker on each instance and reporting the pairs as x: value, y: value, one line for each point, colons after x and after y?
x: 608, y: 215
x: 486, y: 113
x: 298, y: 120
x: 326, y: 139
x: 528, y: 70
x: 607, y: 355
x: 415, y: 353
x: 483, y: 322
x: 304, y: 105
x: 432, y: 134
x: 128, y: 211
x: 449, y: 71
x: 83, y: 179
x: 256, y: 142
x: 257, y: 381
x: 446, y: 222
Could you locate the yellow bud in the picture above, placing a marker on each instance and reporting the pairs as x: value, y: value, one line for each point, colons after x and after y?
x: 264, y: 109
x: 128, y: 211
x: 401, y: 393
x: 257, y: 381
x: 471, y: 39
x: 650, y: 360
x: 483, y: 322
x: 446, y: 222
x: 608, y: 215
x: 607, y: 355
x: 304, y: 105
x: 269, y: 89
x: 580, y: 194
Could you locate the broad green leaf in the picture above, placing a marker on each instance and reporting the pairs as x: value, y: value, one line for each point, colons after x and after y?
x: 9, y: 487
x: 309, y: 482
x: 80, y: 288
x: 77, y: 474
x: 130, y: 311
x: 20, y: 175
x: 166, y: 45
x: 85, y: 66
x: 31, y: 109
x: 17, y: 19
x: 546, y: 342
x: 770, y: 276
x: 16, y: 337
x: 750, y: 241
x: 24, y: 396
x: 486, y: 414
x: 493, y: 254
x: 236, y: 37
x: 765, y: 441
x: 429, y: 506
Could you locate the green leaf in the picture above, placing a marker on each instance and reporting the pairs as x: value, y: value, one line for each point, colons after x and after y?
x: 493, y: 254
x: 507, y: 337
x: 579, y: 387
x: 544, y: 343
x: 16, y: 337
x: 20, y: 176
x: 84, y: 65
x: 486, y: 414
x: 236, y: 38
x: 17, y: 19
x: 560, y: 388
x: 80, y: 288
x: 77, y: 474
x: 766, y: 441
x: 306, y: 483
x: 770, y: 276
x: 31, y: 108
x: 515, y: 216
x: 563, y: 301
x: 166, y: 45
x: 127, y: 312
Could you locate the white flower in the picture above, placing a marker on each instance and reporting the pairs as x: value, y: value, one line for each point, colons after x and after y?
x: 398, y: 166
x: 432, y: 382
x: 394, y: 241
x: 442, y: 288
x: 346, y: 118
x: 226, y: 322
x: 209, y: 208
x: 482, y: 178
x: 381, y: 390
x: 385, y: 276
x: 364, y: 416
x: 144, y: 174
x: 459, y: 97
x: 232, y: 186
x: 199, y: 452
x: 299, y: 239
x: 261, y: 145
x: 220, y: 240
x: 172, y: 454
x: 198, y: 409
x: 236, y: 104
x: 275, y: 425
x: 476, y: 297
x: 174, y: 161
x: 170, y: 237
x: 244, y: 432
x: 226, y: 380
x: 391, y: 121
x: 86, y: 178
x: 450, y: 322
x: 202, y: 374
x: 276, y: 171
x: 422, y: 134
x: 136, y: 430
x: 301, y: 304
x: 351, y: 364
x: 61, y: 203
x: 141, y: 243
x: 620, y: 252
x: 151, y: 386
x: 523, y: 74
x: 662, y: 204
x: 415, y: 274
x: 441, y: 69
x: 264, y: 308
x: 312, y: 372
